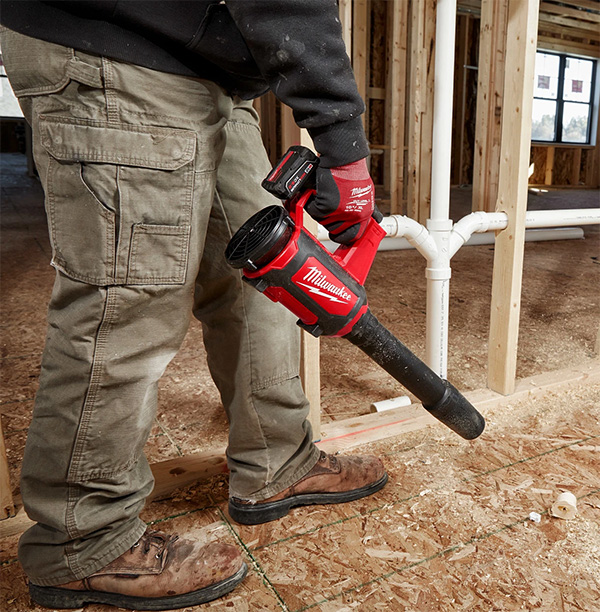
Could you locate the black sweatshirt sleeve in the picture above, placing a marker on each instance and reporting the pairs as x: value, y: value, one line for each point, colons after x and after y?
x: 298, y: 47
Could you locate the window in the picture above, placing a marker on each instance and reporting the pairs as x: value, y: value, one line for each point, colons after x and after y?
x: 562, y: 98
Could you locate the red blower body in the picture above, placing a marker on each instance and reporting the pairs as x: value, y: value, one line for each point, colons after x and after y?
x: 325, y: 291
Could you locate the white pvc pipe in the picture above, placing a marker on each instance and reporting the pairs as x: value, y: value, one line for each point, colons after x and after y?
x: 402, y: 232
x: 390, y: 404
x: 483, y: 222
x: 439, y: 224
x: 556, y: 218
x: 531, y: 235
x: 442, y: 109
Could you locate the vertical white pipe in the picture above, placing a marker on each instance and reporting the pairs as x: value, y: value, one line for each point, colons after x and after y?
x: 439, y: 224
x: 443, y: 91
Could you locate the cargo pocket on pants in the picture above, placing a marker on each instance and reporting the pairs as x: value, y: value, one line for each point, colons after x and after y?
x: 118, y: 200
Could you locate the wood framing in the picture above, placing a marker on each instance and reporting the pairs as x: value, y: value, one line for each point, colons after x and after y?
x: 490, y: 90
x: 310, y: 372
x: 360, y: 38
x: 571, y: 26
x: 420, y: 112
x: 346, y: 19
x: 397, y: 91
x: 460, y: 101
x: 521, y: 36
x: 396, y: 97
x: 549, y: 167
x: 268, y: 109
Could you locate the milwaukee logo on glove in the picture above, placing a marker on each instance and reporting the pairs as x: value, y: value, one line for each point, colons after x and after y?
x: 324, y: 288
x: 362, y: 191
x: 357, y: 205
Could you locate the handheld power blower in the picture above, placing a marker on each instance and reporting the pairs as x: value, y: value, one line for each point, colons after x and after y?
x: 286, y: 263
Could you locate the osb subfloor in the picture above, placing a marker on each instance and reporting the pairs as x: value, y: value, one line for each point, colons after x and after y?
x: 451, y: 530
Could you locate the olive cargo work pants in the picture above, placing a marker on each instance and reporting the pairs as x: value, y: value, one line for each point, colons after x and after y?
x: 146, y: 177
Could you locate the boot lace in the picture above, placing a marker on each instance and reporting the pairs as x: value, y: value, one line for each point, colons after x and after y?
x: 156, y: 540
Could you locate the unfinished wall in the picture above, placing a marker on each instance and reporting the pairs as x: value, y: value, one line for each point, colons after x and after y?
x: 392, y: 46
x: 570, y: 27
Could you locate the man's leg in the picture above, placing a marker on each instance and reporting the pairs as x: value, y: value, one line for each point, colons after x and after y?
x: 128, y: 158
x: 252, y: 343
x: 253, y: 353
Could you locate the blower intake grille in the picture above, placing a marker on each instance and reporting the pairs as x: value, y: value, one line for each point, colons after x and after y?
x: 260, y: 239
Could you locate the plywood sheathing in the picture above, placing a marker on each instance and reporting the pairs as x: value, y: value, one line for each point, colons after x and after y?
x: 539, y: 163
x: 451, y: 530
x: 559, y: 166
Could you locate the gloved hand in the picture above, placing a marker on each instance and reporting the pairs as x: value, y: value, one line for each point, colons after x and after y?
x: 345, y: 201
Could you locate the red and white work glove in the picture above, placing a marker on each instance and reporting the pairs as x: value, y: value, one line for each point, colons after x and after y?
x: 345, y: 201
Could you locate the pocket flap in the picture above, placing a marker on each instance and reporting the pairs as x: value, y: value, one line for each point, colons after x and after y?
x: 127, y: 145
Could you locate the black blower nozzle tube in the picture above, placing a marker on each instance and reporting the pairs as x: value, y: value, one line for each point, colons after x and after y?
x: 439, y: 397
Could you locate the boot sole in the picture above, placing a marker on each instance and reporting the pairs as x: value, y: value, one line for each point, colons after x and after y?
x: 52, y: 597
x: 254, y: 514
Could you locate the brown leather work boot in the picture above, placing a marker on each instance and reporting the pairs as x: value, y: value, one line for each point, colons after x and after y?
x: 332, y: 480
x: 159, y: 572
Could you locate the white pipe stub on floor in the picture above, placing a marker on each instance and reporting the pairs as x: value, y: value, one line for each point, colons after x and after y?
x: 565, y: 506
x: 390, y: 404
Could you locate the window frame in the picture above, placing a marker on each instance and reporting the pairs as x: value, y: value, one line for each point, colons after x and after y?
x: 560, y: 101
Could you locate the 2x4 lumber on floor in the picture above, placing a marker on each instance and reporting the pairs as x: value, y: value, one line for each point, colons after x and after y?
x: 351, y: 433
x: 354, y: 432
x: 521, y: 36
